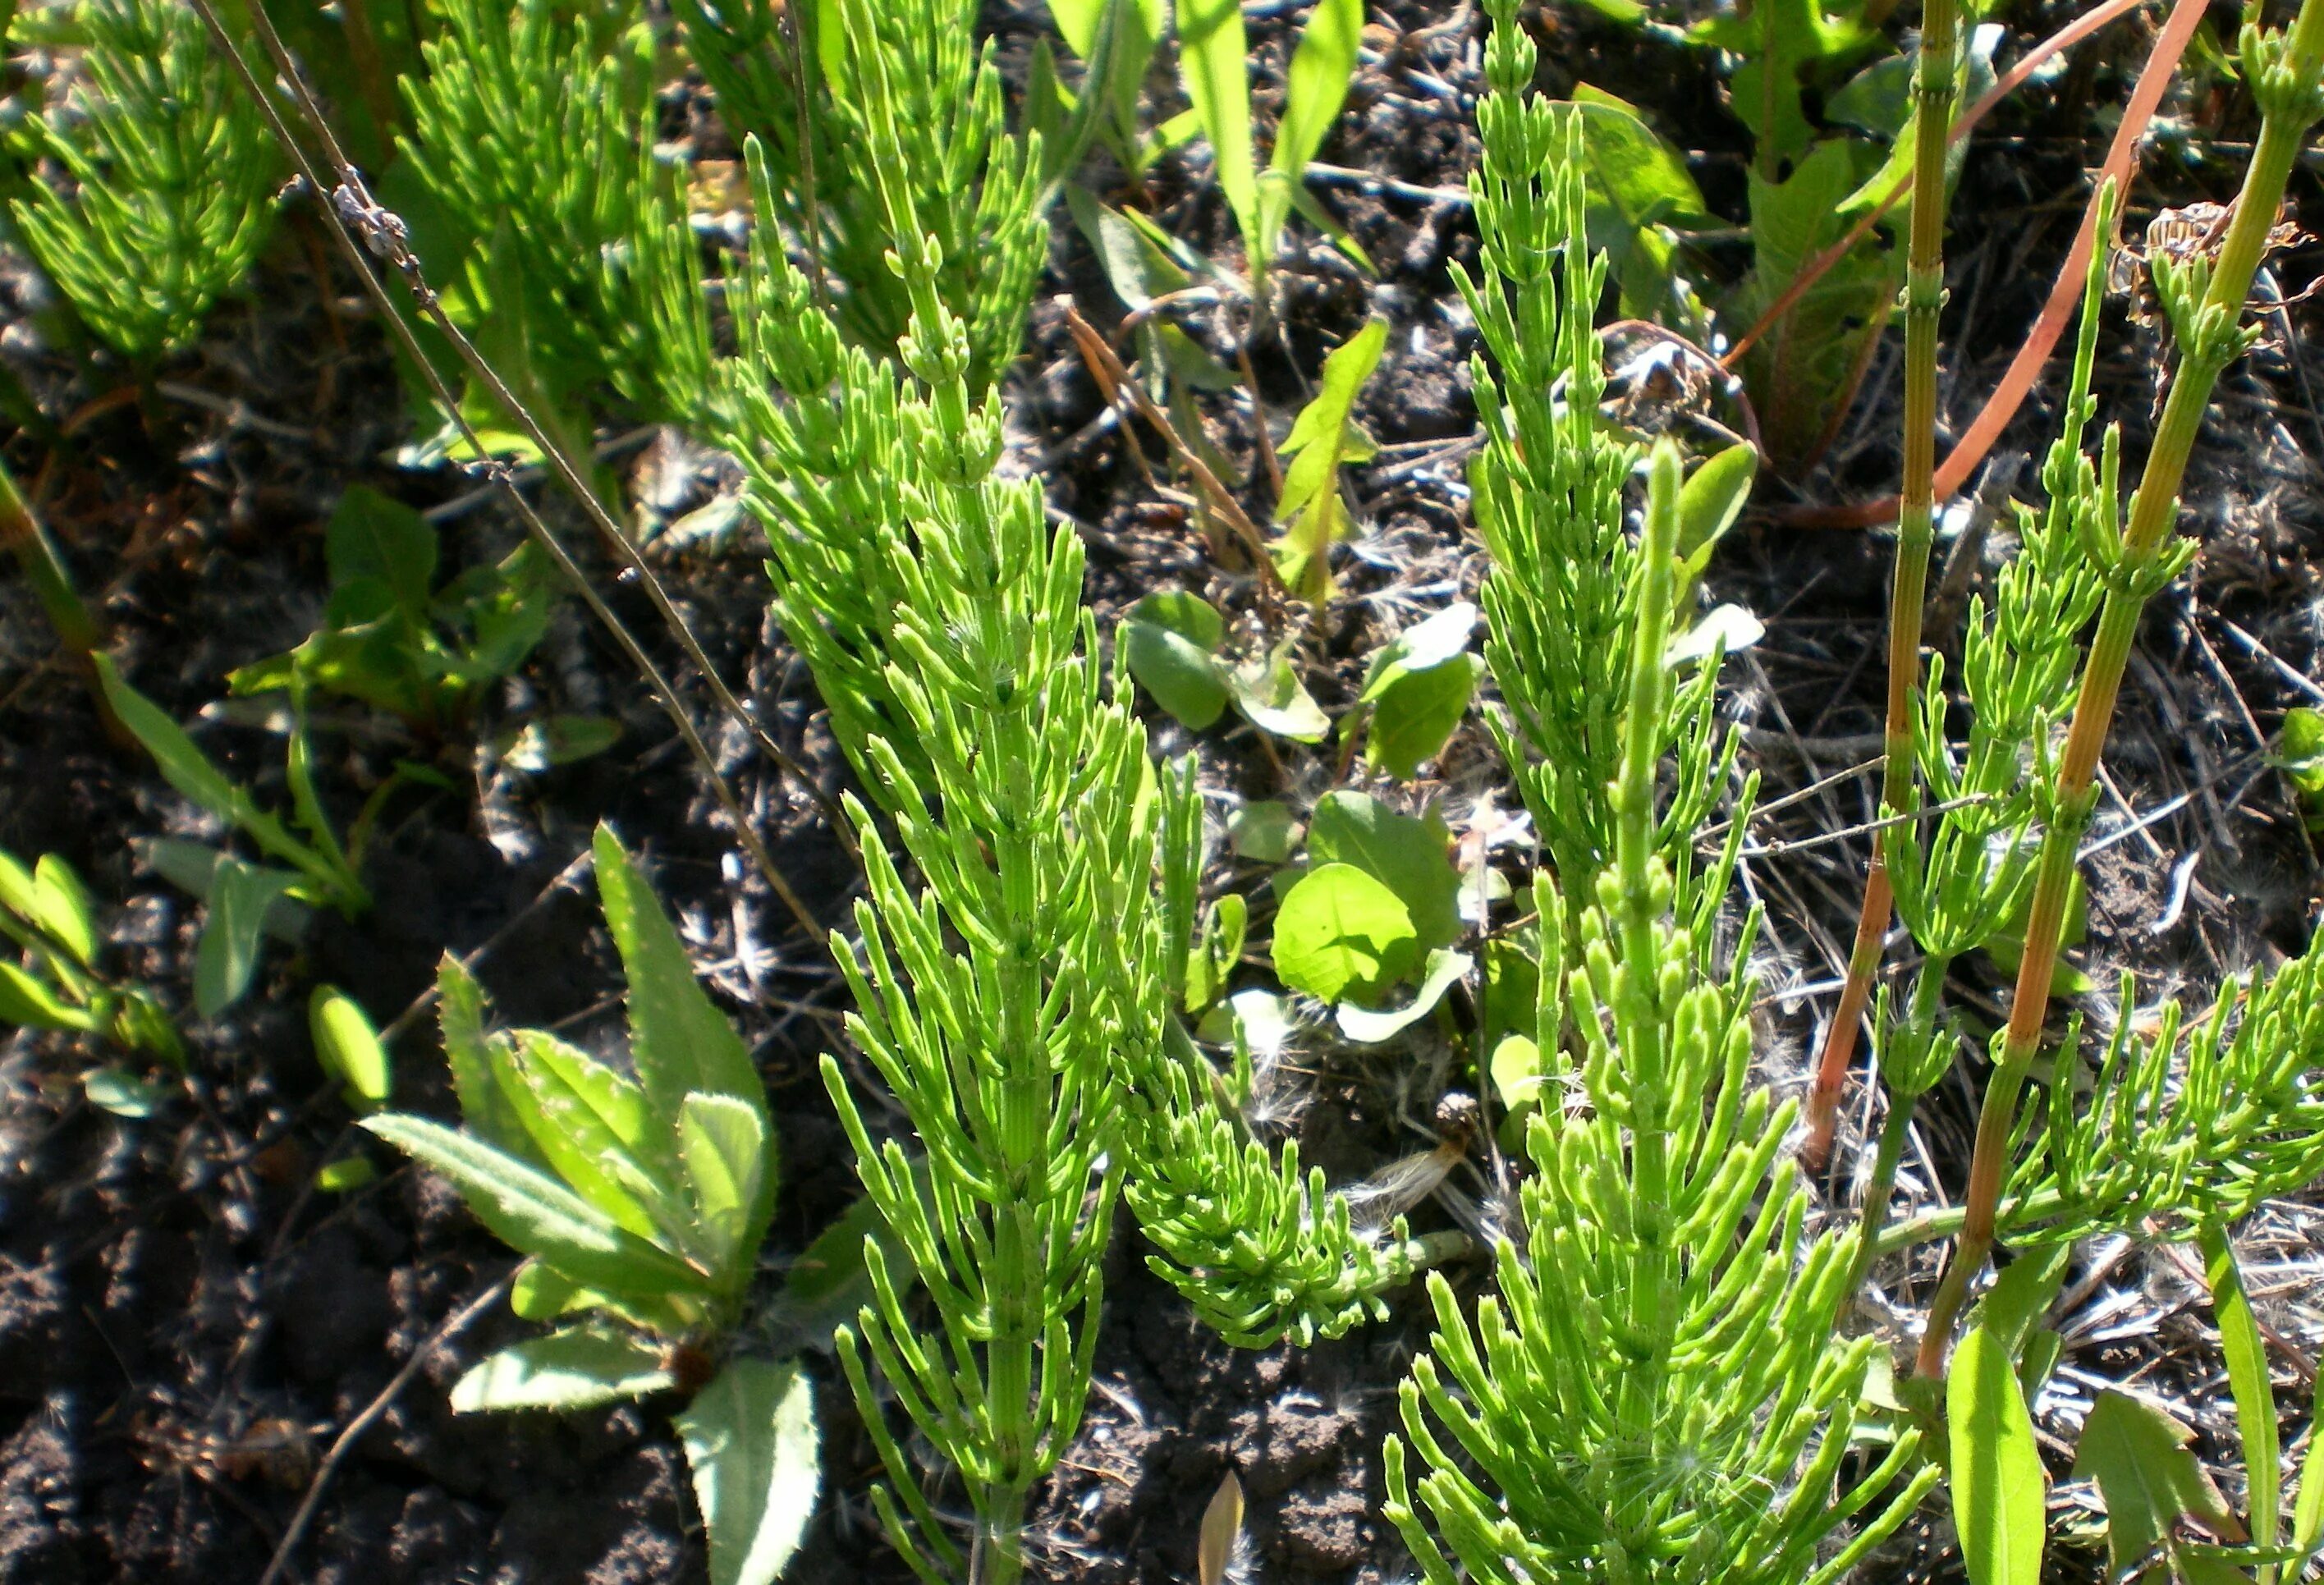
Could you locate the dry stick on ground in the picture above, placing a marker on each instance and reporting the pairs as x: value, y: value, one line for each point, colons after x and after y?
x: 383, y: 233
x: 1115, y: 382
x: 1935, y: 90
x: 2288, y: 82
x: 458, y: 1323
x: 2065, y: 291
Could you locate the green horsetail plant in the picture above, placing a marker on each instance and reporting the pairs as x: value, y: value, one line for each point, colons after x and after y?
x: 983, y: 995
x: 1547, y: 489
x: 2204, y: 297
x: 638, y: 1201
x: 849, y: 97
x: 1935, y: 90
x: 533, y: 132
x: 1653, y: 1391
x: 172, y: 179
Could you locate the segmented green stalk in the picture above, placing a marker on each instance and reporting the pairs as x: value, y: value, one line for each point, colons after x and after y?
x: 1935, y: 90
x: 2205, y: 299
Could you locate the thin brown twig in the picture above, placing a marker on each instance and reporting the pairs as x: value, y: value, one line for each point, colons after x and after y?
x: 458, y: 1322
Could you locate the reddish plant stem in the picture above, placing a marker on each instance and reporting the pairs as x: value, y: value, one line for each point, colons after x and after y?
x: 2065, y: 291
x: 2132, y: 580
x: 1934, y: 91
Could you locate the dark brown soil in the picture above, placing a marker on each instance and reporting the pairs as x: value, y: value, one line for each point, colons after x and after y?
x: 186, y: 1325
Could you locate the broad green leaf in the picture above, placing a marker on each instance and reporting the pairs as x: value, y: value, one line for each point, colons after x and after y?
x: 1409, y: 855
x: 1262, y: 830
x: 182, y: 765
x: 1415, y: 716
x: 2247, y: 1379
x: 535, y: 1214
x: 1998, y: 1487
x: 679, y: 1041
x: 226, y: 955
x: 1310, y: 510
x: 539, y: 1292
x: 751, y: 1443
x: 1267, y: 690
x: 576, y: 1368
x: 122, y: 1093
x: 1169, y: 640
x: 62, y: 908
x: 1710, y: 501
x: 728, y: 1158
x: 1516, y: 1071
x: 1211, y: 66
x: 1423, y: 646
x: 348, y: 1047
x: 370, y: 535
x: 1340, y: 929
x: 1637, y: 188
x: 1369, y: 1027
x: 2138, y: 1455
x: 30, y: 1002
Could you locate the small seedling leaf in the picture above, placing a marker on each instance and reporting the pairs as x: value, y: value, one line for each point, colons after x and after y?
x: 576, y: 1368
x: 61, y: 907
x: 725, y: 1146
x: 1339, y: 928
x: 19, y: 892
x: 550, y: 741
x: 1518, y: 1072
x: 2138, y: 1455
x: 226, y: 955
x: 182, y: 765
x: 121, y: 1093
x: 1221, y: 1527
x: 1422, y: 647
x: 29, y: 1002
x: 348, y: 1047
x: 1998, y: 1487
x: 1710, y: 501
x: 1213, y: 63
x: 1322, y: 67
x: 1363, y: 1025
x: 346, y: 1175
x: 752, y: 1446
x: 1309, y: 509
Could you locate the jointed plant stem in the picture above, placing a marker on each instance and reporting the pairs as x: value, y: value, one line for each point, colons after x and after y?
x: 350, y: 185
x: 2288, y: 80
x: 1934, y: 91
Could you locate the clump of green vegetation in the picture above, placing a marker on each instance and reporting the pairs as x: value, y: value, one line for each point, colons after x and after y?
x: 170, y: 178
x: 639, y: 1203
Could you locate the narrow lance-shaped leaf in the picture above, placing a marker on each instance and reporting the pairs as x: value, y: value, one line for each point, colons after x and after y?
x: 1211, y: 63
x: 751, y: 1443
x: 576, y: 1368
x: 1319, y: 443
x: 2150, y: 1480
x: 1998, y: 1487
